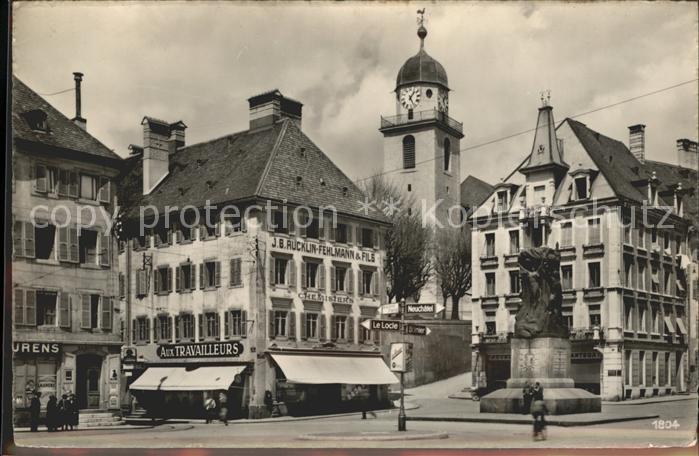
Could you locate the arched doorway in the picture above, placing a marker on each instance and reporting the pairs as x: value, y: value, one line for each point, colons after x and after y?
x: 88, y: 378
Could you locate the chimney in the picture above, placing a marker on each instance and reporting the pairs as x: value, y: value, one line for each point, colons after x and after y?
x: 637, y: 141
x: 687, y: 154
x: 269, y: 107
x: 78, y: 119
x: 176, y: 136
x: 156, y: 148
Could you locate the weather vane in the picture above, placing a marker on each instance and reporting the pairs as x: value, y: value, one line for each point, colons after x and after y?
x: 545, y: 97
x: 421, y: 17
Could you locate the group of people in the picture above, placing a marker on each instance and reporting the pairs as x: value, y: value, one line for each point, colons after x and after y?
x: 534, y: 403
x: 61, y: 415
x: 214, y: 408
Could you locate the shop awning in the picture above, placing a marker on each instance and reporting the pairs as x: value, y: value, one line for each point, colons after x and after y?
x: 353, y: 370
x: 181, y: 379
x: 668, y: 324
x: 680, y: 327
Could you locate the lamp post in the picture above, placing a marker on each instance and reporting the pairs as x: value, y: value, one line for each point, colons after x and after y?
x: 401, y: 412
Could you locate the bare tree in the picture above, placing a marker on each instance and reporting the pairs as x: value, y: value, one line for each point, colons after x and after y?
x: 408, y: 243
x: 452, y: 265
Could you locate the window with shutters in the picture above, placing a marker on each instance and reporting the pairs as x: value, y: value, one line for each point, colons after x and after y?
x: 162, y: 280
x: 90, y: 311
x: 141, y: 329
x: 567, y: 277
x: 185, y: 274
x: 23, y: 241
x: 236, y: 272
x: 46, y: 179
x: 209, y: 229
x: 236, y: 326
x: 24, y: 307
x: 368, y: 284
x: 141, y: 282
x: 341, y: 278
x: 311, y: 325
x: 501, y: 204
x: 514, y: 242
x: 46, y: 308
x: 312, y: 270
x: 490, y: 284
x: 210, y: 274
x: 184, y: 327
x: 45, y: 238
x: 312, y: 228
x: 341, y: 233
x: 409, y: 152
x: 593, y: 231
x: 67, y: 183
x: 88, y: 187
x: 581, y: 187
x: 281, y: 271
x: 566, y: 234
x: 341, y: 330
x: 514, y: 282
x: 163, y: 328
x: 233, y: 223
x: 141, y: 242
x: 104, y: 192
x: 87, y: 244
x: 281, y: 323
x: 594, y: 275
x: 185, y: 232
x: 162, y: 236
x: 367, y: 238
x: 211, y: 325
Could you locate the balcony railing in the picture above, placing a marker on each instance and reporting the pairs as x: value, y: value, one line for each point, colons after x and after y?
x: 421, y: 116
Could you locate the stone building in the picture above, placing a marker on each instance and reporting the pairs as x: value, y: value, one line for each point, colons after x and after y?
x: 65, y: 327
x: 259, y: 298
x: 622, y: 225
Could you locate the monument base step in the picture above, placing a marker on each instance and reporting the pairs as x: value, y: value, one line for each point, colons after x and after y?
x: 559, y: 401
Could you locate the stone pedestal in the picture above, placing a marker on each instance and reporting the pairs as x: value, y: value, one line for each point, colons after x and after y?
x: 545, y: 360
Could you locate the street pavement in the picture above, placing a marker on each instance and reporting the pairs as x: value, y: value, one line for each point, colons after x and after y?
x: 250, y: 434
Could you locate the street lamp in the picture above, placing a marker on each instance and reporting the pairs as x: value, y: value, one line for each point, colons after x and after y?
x: 401, y: 412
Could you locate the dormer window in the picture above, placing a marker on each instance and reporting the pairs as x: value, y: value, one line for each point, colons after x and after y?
x: 582, y: 189
x: 501, y: 201
x: 37, y: 120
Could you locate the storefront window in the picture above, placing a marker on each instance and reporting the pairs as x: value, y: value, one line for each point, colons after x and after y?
x: 34, y: 374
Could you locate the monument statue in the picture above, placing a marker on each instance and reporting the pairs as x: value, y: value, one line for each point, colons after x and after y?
x: 539, y: 314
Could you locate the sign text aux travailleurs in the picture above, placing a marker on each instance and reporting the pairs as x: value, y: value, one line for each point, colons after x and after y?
x: 315, y: 248
x: 201, y: 350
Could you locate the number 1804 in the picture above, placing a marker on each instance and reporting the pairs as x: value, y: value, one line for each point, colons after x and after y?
x: 665, y: 424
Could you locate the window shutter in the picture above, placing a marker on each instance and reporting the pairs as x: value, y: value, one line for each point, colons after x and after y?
x: 19, y: 306
x: 217, y: 277
x: 375, y: 283
x: 192, y: 233
x: 350, y: 238
x: 63, y: 236
x: 85, y: 322
x: 178, y: 278
x: 169, y: 236
x: 18, y: 238
x: 217, y: 229
x: 350, y: 329
x: 292, y: 273
x: 64, y: 311
x: 238, y: 271
x: 321, y: 276
x: 360, y: 281
x: 243, y: 323
x: 290, y: 221
x: 106, y: 313
x: 40, y: 179
x: 133, y: 331
x: 359, y: 236
x: 63, y: 182
x: 303, y: 330
x: 331, y: 231
x: 201, y: 276
x: 156, y: 281
x: 73, y: 244
x: 321, y: 327
x: 303, y: 275
x: 147, y: 339
x: 200, y: 323
x: 104, y: 190
x: 228, y: 324
x: 105, y: 248
x: 30, y: 307
x: 29, y: 251
x: 349, y: 278
x: 178, y: 328
x: 231, y: 279
x: 139, y: 285
x: 333, y: 286
x: 272, y: 335
x: 73, y: 184
x: 193, y: 276
x: 333, y: 328
x: 272, y: 273
x: 375, y: 235
x: 168, y: 287
x: 292, y: 325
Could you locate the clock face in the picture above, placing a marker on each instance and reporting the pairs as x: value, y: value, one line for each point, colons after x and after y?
x: 443, y: 102
x: 410, y: 97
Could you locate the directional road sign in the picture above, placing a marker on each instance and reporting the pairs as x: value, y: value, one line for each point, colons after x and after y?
x: 417, y: 330
x: 423, y: 308
x: 388, y: 309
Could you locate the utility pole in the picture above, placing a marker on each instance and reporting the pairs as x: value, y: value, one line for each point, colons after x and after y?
x: 127, y: 279
x: 401, y: 412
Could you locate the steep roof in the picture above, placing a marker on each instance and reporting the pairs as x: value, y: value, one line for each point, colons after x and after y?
x: 545, y: 151
x: 278, y: 163
x: 63, y: 133
x: 671, y: 175
x: 474, y: 192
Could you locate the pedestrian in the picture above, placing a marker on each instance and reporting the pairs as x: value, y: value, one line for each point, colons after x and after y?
x: 539, y: 411
x: 209, y: 409
x: 269, y: 401
x: 63, y: 413
x: 34, y: 411
x: 51, y: 414
x: 223, y: 407
x: 73, y: 412
x: 527, y: 394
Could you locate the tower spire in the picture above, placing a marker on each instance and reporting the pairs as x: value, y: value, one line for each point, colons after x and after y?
x: 421, y: 30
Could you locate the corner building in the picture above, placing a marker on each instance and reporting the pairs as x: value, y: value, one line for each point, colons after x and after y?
x: 622, y: 226
x: 257, y: 303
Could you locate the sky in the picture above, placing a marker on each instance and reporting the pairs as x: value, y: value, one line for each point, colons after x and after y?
x: 199, y: 62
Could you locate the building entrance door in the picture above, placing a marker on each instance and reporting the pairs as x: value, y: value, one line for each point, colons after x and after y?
x: 89, y: 368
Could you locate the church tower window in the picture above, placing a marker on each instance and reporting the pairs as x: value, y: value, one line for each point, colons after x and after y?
x: 409, y: 152
x: 447, y: 154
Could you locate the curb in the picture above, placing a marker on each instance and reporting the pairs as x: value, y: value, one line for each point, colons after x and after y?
x: 554, y: 422
x: 675, y: 398
x: 375, y: 436
x: 124, y: 427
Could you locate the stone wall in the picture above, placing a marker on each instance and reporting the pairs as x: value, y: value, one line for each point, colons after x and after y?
x: 444, y: 353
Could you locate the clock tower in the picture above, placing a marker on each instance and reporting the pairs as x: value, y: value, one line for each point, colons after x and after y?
x: 421, y: 144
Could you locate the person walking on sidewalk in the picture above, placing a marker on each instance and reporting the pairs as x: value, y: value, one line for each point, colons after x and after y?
x: 52, y: 414
x: 34, y: 411
x: 209, y: 409
x: 527, y: 394
x: 539, y: 412
x: 223, y: 407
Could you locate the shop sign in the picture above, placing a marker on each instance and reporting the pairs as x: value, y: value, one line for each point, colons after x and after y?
x: 332, y: 251
x: 320, y: 297
x: 201, y: 350
x: 36, y: 348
